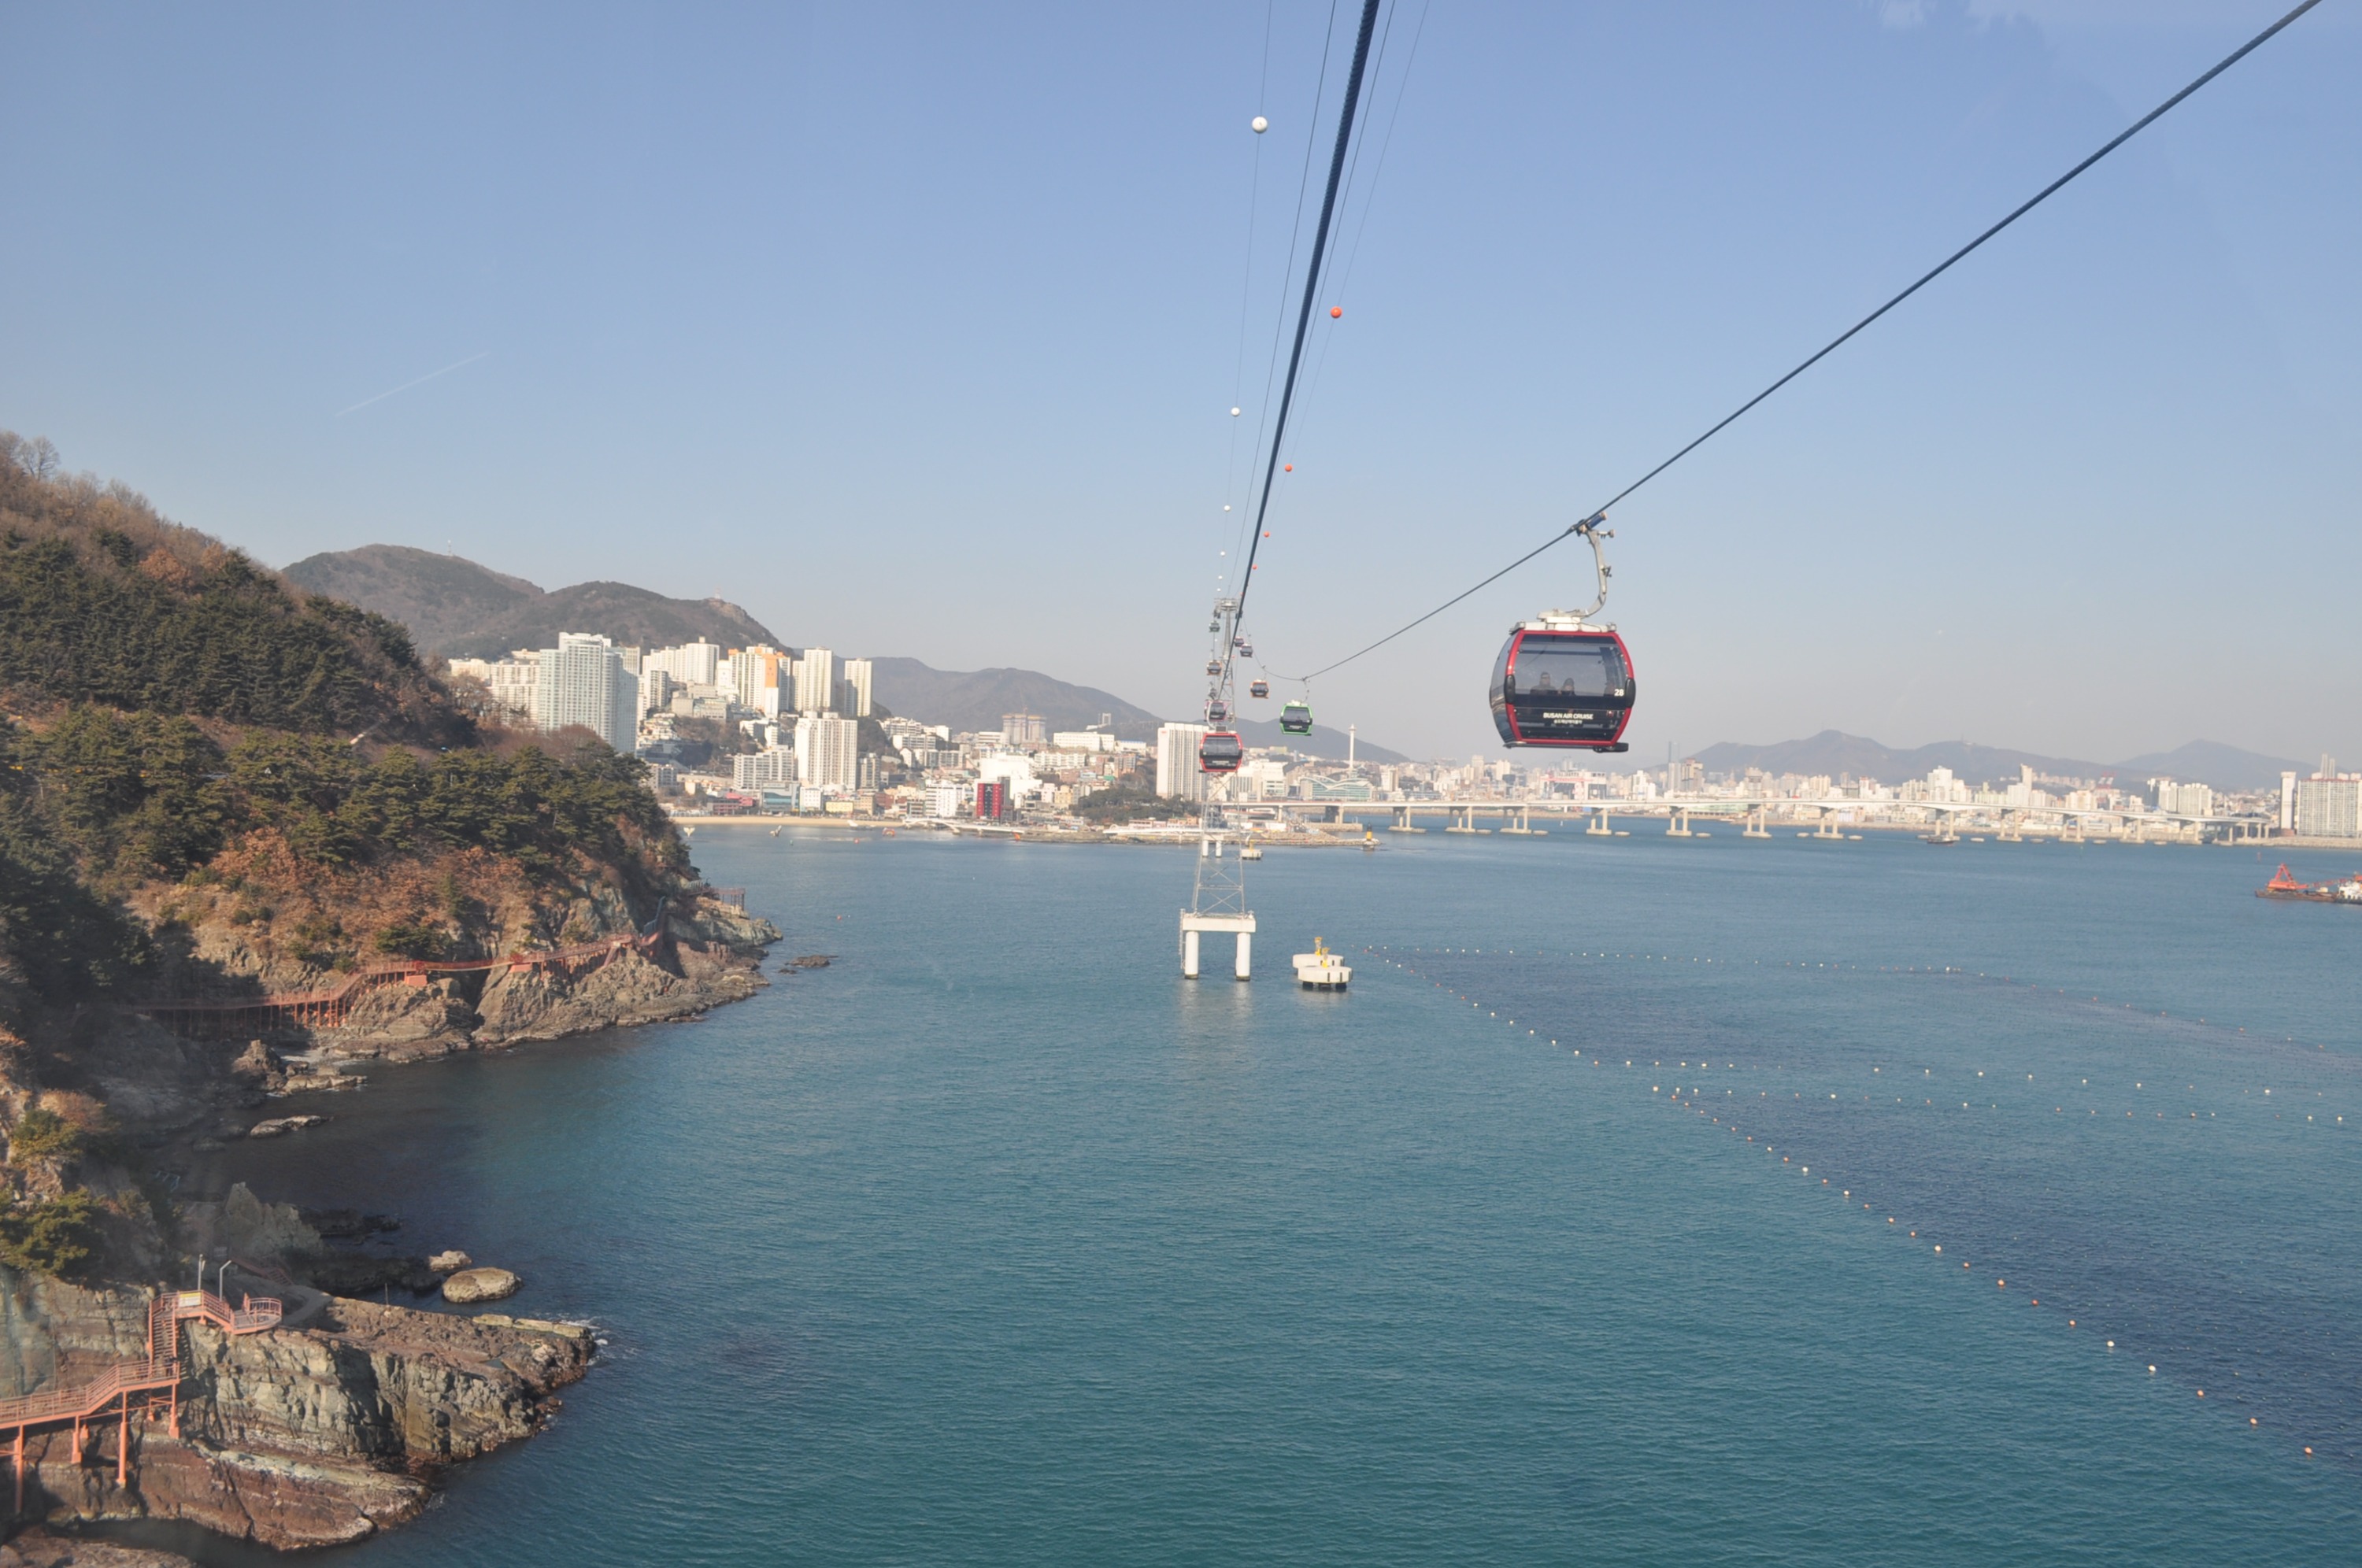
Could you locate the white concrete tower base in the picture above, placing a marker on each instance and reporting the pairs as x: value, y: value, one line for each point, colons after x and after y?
x: 1242, y: 927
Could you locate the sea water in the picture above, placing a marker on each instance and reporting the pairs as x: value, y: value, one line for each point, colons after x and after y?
x: 997, y: 1242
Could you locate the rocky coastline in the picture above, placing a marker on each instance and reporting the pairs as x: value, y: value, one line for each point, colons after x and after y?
x: 333, y: 1424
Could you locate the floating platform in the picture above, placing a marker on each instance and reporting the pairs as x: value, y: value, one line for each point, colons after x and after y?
x: 1322, y: 970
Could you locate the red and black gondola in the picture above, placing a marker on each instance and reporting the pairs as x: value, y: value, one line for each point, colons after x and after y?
x: 1563, y: 682
x: 1219, y: 751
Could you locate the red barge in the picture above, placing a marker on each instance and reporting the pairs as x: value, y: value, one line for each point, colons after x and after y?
x: 2284, y: 886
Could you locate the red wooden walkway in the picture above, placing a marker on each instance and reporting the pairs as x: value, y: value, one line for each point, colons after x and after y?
x: 159, y: 1372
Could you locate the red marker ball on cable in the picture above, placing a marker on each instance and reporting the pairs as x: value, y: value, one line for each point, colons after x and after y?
x: 1336, y: 311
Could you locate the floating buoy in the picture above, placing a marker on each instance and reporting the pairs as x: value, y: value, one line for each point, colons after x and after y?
x: 1335, y: 312
x: 1258, y: 124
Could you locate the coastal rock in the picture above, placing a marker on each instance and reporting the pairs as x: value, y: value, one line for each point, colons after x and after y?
x: 40, y: 1549
x: 266, y: 1231
x: 451, y: 1262
x: 258, y: 1064
x: 292, y: 1438
x: 473, y: 1285
x: 407, y: 1023
x: 282, y: 1125
x: 544, y: 1004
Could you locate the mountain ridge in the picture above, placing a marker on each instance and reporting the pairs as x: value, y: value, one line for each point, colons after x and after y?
x: 1834, y: 752
x: 462, y: 609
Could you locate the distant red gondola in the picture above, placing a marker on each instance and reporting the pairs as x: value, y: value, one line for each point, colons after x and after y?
x: 1220, y: 752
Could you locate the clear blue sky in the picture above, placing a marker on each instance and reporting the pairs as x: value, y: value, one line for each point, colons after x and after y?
x: 915, y: 330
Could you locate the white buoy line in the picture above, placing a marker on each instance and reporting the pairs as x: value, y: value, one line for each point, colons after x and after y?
x: 1686, y: 1096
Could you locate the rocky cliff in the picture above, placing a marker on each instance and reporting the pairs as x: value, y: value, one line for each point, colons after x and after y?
x: 290, y: 1438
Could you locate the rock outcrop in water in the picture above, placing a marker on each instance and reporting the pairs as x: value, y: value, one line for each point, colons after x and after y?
x: 292, y: 1438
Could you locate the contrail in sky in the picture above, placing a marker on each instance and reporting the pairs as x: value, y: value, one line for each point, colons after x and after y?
x: 419, y: 382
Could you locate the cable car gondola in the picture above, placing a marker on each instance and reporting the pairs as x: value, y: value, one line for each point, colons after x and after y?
x: 1559, y: 680
x: 1220, y: 752
x: 1258, y: 688
x: 1297, y: 718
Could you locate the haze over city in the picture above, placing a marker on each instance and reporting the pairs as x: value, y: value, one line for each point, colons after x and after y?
x: 916, y: 332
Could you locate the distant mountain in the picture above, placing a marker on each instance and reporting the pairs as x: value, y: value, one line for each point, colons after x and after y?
x: 976, y: 699
x: 461, y: 610
x: 2212, y: 762
x: 1833, y: 752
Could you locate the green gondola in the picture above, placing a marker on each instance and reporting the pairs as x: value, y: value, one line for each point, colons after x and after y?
x: 1297, y: 718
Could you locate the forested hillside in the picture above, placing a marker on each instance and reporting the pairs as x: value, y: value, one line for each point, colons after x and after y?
x: 193, y: 747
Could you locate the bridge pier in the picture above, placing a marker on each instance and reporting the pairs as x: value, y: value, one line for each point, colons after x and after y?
x: 1758, y: 822
x: 1522, y: 824
x: 1677, y: 823
x: 1403, y: 823
x: 1465, y: 821
x: 1599, y: 828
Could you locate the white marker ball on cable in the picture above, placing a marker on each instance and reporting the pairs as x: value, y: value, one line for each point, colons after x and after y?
x: 1259, y: 124
x: 1234, y: 413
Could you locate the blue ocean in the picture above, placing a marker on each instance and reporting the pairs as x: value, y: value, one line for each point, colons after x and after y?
x: 1644, y: 1201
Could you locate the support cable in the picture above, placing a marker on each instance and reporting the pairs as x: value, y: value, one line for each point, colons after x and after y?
x: 1928, y: 277
x: 1303, y: 314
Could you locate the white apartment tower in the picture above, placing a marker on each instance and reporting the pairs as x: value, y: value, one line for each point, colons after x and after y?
x: 1177, y: 773
x: 816, y: 681
x: 691, y: 664
x: 828, y: 752
x: 582, y: 681
x: 858, y: 676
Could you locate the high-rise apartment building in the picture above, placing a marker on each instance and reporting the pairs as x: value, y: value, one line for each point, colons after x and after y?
x: 691, y: 664
x: 816, y: 681
x: 2329, y: 805
x: 773, y: 767
x: 761, y: 678
x: 513, y: 679
x: 1177, y: 773
x: 1025, y: 729
x: 828, y: 752
x: 582, y: 681
x: 859, y: 674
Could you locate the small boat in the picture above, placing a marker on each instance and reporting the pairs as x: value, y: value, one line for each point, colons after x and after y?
x: 1322, y: 969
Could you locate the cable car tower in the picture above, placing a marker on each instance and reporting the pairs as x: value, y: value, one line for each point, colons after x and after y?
x: 1219, y: 901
